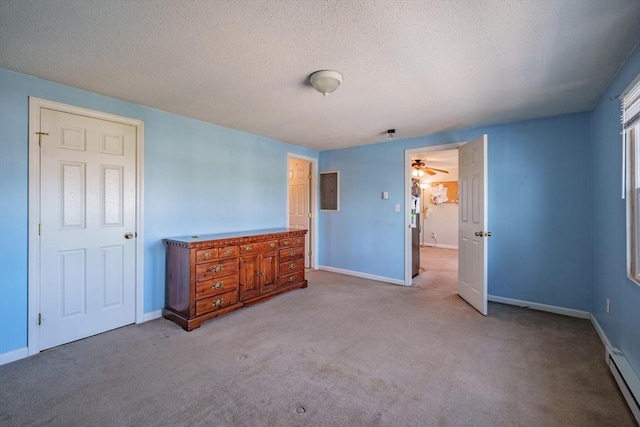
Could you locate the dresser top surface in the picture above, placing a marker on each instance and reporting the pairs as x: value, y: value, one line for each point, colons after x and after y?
x: 232, y: 235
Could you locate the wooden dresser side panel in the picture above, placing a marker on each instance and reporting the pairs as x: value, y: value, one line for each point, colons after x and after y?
x: 179, y: 275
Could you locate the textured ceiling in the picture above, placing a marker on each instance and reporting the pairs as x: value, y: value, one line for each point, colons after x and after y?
x: 417, y: 66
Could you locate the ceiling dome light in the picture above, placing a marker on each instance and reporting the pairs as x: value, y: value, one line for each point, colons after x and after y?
x: 325, y: 81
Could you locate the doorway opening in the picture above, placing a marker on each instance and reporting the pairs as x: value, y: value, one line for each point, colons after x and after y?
x: 434, y: 176
x: 429, y: 224
x: 302, y: 201
x: 472, y: 217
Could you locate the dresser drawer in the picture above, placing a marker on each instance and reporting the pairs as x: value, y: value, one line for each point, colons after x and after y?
x: 214, y: 270
x: 213, y: 287
x: 292, y: 241
x: 291, y: 267
x: 290, y: 279
x: 208, y: 255
x: 217, y: 302
x: 250, y: 248
x: 290, y: 253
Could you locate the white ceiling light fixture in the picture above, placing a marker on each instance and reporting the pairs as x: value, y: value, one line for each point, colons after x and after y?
x: 391, y: 133
x: 325, y: 81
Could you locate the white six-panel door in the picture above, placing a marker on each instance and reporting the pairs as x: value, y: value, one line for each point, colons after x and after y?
x: 472, y: 225
x: 299, y: 199
x: 87, y: 241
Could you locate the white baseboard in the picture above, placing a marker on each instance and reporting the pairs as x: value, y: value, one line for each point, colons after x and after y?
x: 440, y: 246
x: 12, y: 356
x: 362, y: 275
x: 601, y: 334
x: 21, y: 353
x: 541, y: 307
x: 152, y: 315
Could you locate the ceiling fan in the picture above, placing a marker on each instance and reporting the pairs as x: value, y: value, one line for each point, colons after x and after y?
x: 419, y: 166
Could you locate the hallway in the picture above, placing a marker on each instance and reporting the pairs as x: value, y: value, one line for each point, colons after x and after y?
x: 438, y: 270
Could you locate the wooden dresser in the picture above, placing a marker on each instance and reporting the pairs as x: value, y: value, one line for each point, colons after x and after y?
x: 210, y: 275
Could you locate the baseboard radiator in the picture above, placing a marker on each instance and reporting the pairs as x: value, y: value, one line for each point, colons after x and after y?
x: 627, y: 379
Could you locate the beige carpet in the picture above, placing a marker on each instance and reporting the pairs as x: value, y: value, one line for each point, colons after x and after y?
x: 441, y: 266
x: 344, y: 352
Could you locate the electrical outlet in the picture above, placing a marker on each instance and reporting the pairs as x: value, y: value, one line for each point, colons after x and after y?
x: 608, y: 306
x: 433, y: 235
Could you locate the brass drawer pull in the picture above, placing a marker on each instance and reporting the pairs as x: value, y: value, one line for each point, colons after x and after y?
x: 228, y: 251
x: 285, y: 243
x: 218, y: 285
x: 247, y: 248
x: 292, y: 278
x: 272, y: 245
x: 292, y: 253
x: 292, y: 266
x: 259, y: 274
x: 218, y: 302
x: 217, y: 268
x: 206, y: 255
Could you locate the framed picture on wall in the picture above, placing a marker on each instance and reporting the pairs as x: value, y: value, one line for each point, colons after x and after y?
x: 329, y: 191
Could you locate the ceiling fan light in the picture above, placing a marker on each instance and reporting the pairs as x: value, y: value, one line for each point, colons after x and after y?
x: 325, y: 81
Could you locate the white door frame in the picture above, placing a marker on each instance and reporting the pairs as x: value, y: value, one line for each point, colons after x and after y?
x: 313, y: 233
x: 35, y: 104
x: 407, y: 200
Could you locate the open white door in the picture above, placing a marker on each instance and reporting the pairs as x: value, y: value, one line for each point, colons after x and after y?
x: 472, y: 223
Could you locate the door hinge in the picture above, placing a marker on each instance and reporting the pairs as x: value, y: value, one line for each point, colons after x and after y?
x: 309, y: 214
x: 39, y: 229
x: 39, y: 318
x: 309, y: 253
x: 309, y: 177
x: 40, y: 137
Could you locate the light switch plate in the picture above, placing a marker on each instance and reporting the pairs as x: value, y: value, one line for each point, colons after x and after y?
x: 385, y: 195
x: 397, y: 208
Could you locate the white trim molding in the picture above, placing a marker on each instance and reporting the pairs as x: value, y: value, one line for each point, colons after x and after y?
x: 600, y: 331
x: 439, y: 245
x: 540, y: 307
x: 362, y: 275
x: 152, y: 315
x: 12, y: 356
x: 35, y: 105
x: 315, y: 182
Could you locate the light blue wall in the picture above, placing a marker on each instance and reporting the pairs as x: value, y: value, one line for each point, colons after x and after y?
x: 548, y: 187
x: 622, y: 325
x: 540, y: 201
x: 198, y: 178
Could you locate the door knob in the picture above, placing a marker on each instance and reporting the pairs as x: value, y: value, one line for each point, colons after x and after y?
x: 128, y: 235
